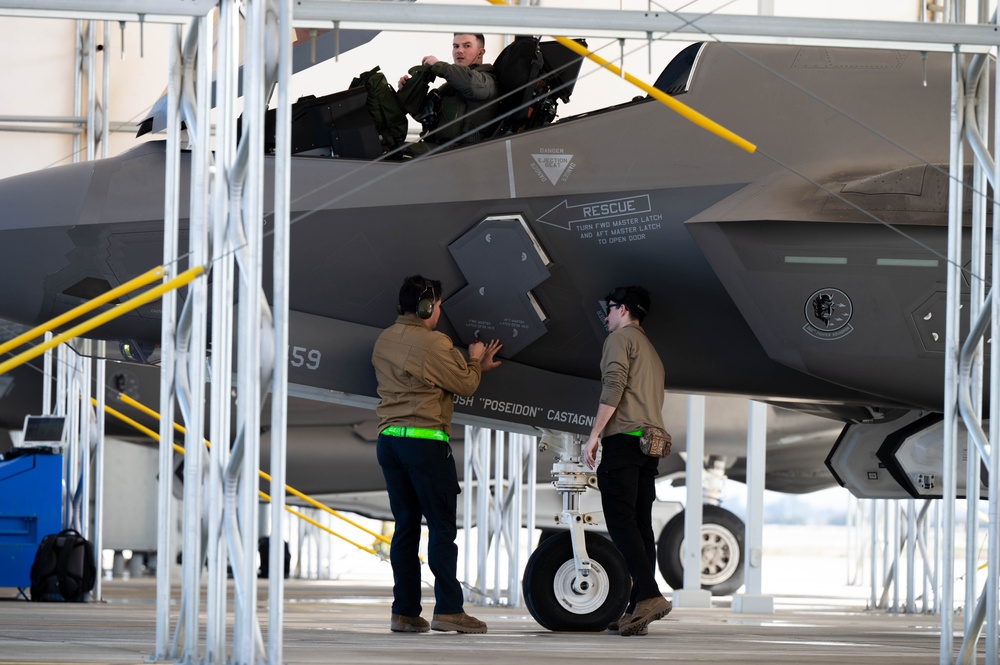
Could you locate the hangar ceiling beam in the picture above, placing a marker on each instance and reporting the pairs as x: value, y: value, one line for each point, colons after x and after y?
x: 150, y: 11
x: 544, y: 20
x: 642, y: 24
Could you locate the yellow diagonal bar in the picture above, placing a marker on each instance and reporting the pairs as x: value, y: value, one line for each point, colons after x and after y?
x: 288, y: 488
x: 156, y: 437
x: 131, y: 285
x: 153, y: 414
x: 316, y: 524
x: 316, y: 504
x: 99, y: 320
x: 678, y: 107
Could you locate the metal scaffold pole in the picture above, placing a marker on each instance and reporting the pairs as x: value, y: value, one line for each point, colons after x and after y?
x: 168, y: 318
x: 954, y: 267
x: 279, y: 384
x: 220, y: 396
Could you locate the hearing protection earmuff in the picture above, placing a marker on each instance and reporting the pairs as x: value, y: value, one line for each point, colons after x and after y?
x: 425, y: 306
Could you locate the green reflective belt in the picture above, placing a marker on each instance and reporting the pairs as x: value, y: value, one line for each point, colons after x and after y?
x: 416, y: 433
x: 638, y: 432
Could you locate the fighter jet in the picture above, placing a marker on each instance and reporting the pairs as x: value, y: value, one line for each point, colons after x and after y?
x: 779, y: 276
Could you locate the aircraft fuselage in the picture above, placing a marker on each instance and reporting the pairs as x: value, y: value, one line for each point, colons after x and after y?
x: 764, y: 284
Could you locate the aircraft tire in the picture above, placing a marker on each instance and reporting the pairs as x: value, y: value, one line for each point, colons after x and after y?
x: 722, y: 548
x: 545, y: 534
x: 548, y: 585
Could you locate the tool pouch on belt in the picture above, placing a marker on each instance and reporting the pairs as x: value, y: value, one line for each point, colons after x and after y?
x: 655, y: 442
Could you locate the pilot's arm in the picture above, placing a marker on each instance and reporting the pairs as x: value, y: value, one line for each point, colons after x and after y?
x: 470, y: 83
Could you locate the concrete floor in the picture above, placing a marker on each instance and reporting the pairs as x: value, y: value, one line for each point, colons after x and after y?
x: 347, y: 622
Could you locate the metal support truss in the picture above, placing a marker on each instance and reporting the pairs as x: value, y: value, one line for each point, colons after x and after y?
x: 221, y: 504
x: 241, y: 181
x: 74, y: 365
x: 498, y: 498
x: 907, y: 549
x: 964, y: 390
x: 96, y: 127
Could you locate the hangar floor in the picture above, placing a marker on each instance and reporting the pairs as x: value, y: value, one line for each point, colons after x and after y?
x: 347, y: 622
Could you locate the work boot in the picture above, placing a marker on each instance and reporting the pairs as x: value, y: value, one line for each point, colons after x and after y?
x: 613, y: 626
x: 399, y: 623
x: 646, y: 611
x: 460, y: 623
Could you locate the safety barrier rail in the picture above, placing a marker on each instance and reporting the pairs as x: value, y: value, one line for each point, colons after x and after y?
x: 144, y: 298
x: 290, y: 490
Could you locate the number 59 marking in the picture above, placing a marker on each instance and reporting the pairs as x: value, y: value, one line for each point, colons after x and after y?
x: 300, y: 356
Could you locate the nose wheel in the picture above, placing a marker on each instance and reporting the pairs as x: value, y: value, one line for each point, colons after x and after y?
x: 560, y: 598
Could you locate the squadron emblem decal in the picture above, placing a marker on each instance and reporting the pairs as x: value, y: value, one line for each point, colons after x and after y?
x: 828, y: 314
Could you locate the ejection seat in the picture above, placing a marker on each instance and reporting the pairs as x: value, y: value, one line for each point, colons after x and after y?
x: 531, y: 77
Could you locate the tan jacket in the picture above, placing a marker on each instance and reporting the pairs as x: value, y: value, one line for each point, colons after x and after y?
x: 632, y: 376
x: 418, y: 371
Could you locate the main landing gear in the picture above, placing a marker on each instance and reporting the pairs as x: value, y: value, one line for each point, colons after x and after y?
x: 576, y: 580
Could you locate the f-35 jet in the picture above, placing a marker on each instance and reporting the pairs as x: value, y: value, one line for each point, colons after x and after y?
x: 809, y: 275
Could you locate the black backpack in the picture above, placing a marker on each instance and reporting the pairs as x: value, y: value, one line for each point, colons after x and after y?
x: 63, y: 569
x: 383, y: 107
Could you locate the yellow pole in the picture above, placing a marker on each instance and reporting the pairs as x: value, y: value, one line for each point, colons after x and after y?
x: 316, y: 524
x: 683, y: 109
x: 131, y: 285
x: 288, y: 488
x: 153, y: 414
x: 99, y: 320
x: 156, y: 437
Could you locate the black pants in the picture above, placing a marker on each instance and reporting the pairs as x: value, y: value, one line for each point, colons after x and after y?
x: 626, y: 480
x: 421, y: 479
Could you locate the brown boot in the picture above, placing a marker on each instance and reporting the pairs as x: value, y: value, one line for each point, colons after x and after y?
x: 461, y: 623
x: 614, y: 625
x: 646, y: 611
x: 399, y: 623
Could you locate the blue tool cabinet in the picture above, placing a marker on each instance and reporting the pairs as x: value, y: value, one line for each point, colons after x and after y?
x: 30, y: 509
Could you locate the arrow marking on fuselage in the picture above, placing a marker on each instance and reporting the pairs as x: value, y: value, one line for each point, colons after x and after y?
x: 564, y: 215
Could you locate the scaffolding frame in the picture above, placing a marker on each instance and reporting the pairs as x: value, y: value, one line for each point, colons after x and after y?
x: 953, y: 36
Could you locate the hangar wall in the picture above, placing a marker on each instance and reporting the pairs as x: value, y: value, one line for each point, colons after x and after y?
x: 38, y: 67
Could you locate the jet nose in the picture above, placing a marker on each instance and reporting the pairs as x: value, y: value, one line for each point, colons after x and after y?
x: 49, y: 197
x: 71, y: 233
x: 39, y: 211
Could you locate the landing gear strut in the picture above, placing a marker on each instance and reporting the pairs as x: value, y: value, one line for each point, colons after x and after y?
x: 575, y: 581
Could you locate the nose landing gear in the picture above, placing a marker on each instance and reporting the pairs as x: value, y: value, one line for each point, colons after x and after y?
x: 575, y: 580
x: 560, y: 599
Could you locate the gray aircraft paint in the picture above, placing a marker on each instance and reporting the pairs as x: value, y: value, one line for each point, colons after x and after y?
x: 630, y: 194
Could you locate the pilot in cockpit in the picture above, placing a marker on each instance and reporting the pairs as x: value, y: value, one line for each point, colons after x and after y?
x: 460, y: 109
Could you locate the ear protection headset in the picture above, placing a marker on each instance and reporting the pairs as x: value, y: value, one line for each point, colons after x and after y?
x: 425, y: 306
